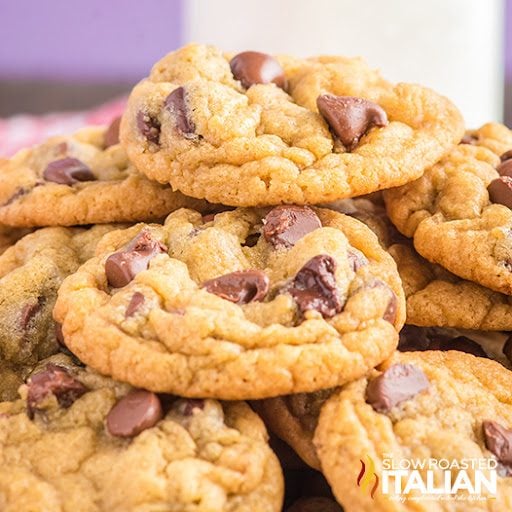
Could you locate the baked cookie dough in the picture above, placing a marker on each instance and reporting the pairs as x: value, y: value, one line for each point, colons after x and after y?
x: 77, y: 441
x: 246, y: 304
x: 31, y: 272
x: 84, y: 178
x: 459, y: 212
x: 254, y: 130
x: 419, y: 405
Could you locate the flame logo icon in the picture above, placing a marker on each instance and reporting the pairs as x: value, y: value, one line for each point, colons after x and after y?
x: 366, y: 475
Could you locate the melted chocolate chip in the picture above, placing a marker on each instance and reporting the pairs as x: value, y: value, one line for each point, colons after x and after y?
x: 28, y: 312
x: 176, y: 104
x: 506, y: 156
x: 240, y: 287
x: 285, y: 225
x: 122, y: 267
x: 314, y: 287
x: 136, y: 302
x: 505, y: 168
x: 500, y: 191
x: 149, y: 127
x: 498, y: 440
x: 350, y: 118
x: 111, y: 137
x: 257, y: 68
x: 314, y: 504
x: 134, y: 413
x: 57, y: 381
x: 68, y: 171
x: 469, y: 139
x: 59, y: 335
x: 392, y: 306
x: 187, y: 406
x: 397, y: 384
x: 357, y: 259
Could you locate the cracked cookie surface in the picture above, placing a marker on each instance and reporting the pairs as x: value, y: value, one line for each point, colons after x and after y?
x: 31, y: 272
x: 243, y: 304
x: 85, y: 178
x: 459, y: 212
x: 257, y: 130
x: 443, y: 405
x: 80, y: 442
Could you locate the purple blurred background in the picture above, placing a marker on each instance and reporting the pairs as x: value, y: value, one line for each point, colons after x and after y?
x: 78, y: 53
x: 105, y: 40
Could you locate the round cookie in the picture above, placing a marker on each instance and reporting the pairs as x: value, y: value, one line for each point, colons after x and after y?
x: 83, y: 178
x: 31, y: 272
x: 78, y: 441
x: 459, y: 212
x: 255, y: 130
x: 246, y: 304
x: 438, y: 298
x: 419, y: 405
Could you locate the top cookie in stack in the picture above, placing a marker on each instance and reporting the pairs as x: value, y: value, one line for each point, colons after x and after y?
x: 253, y: 130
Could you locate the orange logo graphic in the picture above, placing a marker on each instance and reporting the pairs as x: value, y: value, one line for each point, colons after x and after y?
x: 367, y: 475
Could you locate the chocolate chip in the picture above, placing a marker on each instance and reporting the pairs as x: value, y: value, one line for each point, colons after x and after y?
x: 357, y: 259
x: 121, y: 267
x: 208, y: 217
x: 500, y: 191
x: 111, y: 137
x: 68, y: 171
x: 470, y: 139
x: 498, y: 440
x: 505, y: 168
x: 57, y: 381
x: 149, y: 127
x: 240, y: 287
x: 187, y: 406
x: 506, y: 156
x: 314, y: 287
x: 285, y: 225
x: 314, y: 504
x: 350, y: 118
x: 176, y: 105
x: 392, y: 306
x: 28, y: 312
x: 507, y: 348
x: 59, y: 335
x: 251, y: 240
x: 397, y: 384
x: 257, y: 68
x: 134, y: 413
x: 136, y: 302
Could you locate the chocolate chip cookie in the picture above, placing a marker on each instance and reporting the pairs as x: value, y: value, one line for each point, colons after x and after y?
x: 31, y: 272
x: 255, y: 130
x: 438, y: 298
x: 246, y: 304
x: 459, y: 212
x: 78, y: 441
x: 85, y: 178
x: 417, y: 406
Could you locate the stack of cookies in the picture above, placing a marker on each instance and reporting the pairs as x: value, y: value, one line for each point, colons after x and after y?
x: 197, y: 277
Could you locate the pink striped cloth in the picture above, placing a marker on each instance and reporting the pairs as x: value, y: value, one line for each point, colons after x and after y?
x: 23, y: 130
